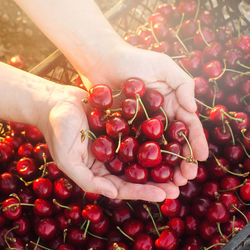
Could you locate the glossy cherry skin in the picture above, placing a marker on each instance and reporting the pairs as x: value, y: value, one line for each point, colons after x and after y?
x: 129, y: 109
x: 200, y: 206
x: 132, y: 227
x: 229, y: 199
x: 243, y: 124
x: 96, y: 122
x: 116, y: 126
x: 13, y: 140
x: 193, y: 62
x: 156, y: 17
x: 75, y: 236
x: 246, y: 140
x: 100, y: 96
x: 167, y: 240
x: 233, y: 102
x: 188, y: 28
x: 188, y: 7
x: 212, y: 69
x: 13, y: 212
x: 149, y: 154
x: 133, y: 86
x: 207, y: 229
x: 42, y: 187
x: 132, y: 39
x: 212, y: 52
x: 170, y: 207
x: 229, y: 182
x: 208, y: 34
x: 216, y: 113
x: 100, y: 228
x: 8, y: 183
x: 25, y: 150
x: 177, y: 225
x: 243, y: 43
x: 33, y: 134
x: 103, y: 148
x: 94, y: 243
x: 189, y: 191
x: 160, y: 30
x: 245, y: 191
x: 221, y: 136
x: 62, y: 188
x: 233, y: 153
x: 128, y: 149
x: 121, y: 214
x: 217, y: 212
x: 174, y: 131
x: 92, y: 212
x: 192, y: 225
x: 143, y: 241
x: 202, y: 174
x: 73, y: 213
x: 162, y: 173
x: 230, y: 81
x: 173, y: 147
x: 232, y: 56
x: 217, y: 170
x: 201, y: 86
x: 53, y: 171
x: 26, y: 168
x: 41, y: 153
x: 136, y: 173
x: 210, y: 189
x: 42, y: 208
x: 152, y: 100
x: 64, y: 246
x: 163, y: 47
x: 205, y: 17
x: 152, y: 128
x: 115, y: 166
x: 238, y: 224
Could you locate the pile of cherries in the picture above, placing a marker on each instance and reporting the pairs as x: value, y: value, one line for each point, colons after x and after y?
x: 41, y: 208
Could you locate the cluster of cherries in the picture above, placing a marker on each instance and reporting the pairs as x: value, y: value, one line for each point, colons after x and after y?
x: 134, y: 139
x: 41, y: 208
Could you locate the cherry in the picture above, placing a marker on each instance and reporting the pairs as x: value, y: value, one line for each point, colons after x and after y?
x: 62, y: 188
x: 143, y: 241
x: 133, y: 86
x: 41, y: 153
x: 212, y: 52
x: 160, y: 30
x: 121, y: 214
x: 17, y: 61
x: 95, y: 243
x: 230, y: 81
x: 129, y: 109
x: 25, y: 150
x: 128, y: 149
x: 115, y: 126
x: 163, y: 47
x: 16, y: 243
x: 135, y: 173
x: 201, y: 86
x: 103, y: 148
x: 208, y: 35
x: 223, y: 33
x: 245, y: 191
x: 173, y: 147
x: 156, y: 17
x: 117, y: 245
x: 245, y: 87
x: 243, y: 43
x: 100, y: 96
x: 176, y: 130
x: 100, y: 228
x: 190, y: 190
x: 219, y: 167
x: 202, y: 174
x: 188, y: 7
x: 165, y: 9
x: 42, y: 208
x: 64, y: 247
x: 193, y: 62
x: 42, y: 187
x: 233, y: 153
x: 115, y: 166
x: 148, y: 41
x: 191, y: 224
x: 132, y: 227
x: 218, y: 241
x: 216, y: 113
x: 232, y: 56
x: 13, y: 140
x: 75, y: 236
x: 217, y: 212
x: 200, y: 206
x: 233, y: 102
x: 25, y: 195
x: 192, y: 242
x: 207, y: 230
x: 92, y: 212
x: 221, y: 135
x: 229, y: 182
x: 167, y: 240
x: 26, y: 167
x: 149, y: 154
x: 8, y: 183
x: 177, y: 49
x: 230, y: 200
x: 153, y: 100
x: 132, y: 39
x: 11, y: 208
x: 170, y: 207
x: 231, y: 225
x: 210, y: 189
x: 6, y: 152
x: 33, y: 134
x: 188, y: 28
x: 241, y: 124
x: 212, y: 69
x: 46, y: 228
x: 162, y: 173
x: 152, y: 128
x: 53, y: 171
x: 205, y: 17
x: 177, y: 225
x: 246, y: 140
x: 143, y: 33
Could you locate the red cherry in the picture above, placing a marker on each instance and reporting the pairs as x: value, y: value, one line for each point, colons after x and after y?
x: 149, y: 154
x: 128, y: 149
x: 160, y: 30
x: 10, y: 211
x: 153, y: 100
x: 217, y: 212
x: 156, y: 17
x: 200, y: 206
x: 213, y: 51
x: 207, y: 229
x: 175, y: 129
x: 64, y: 247
x: 217, y: 170
x: 243, y: 43
x: 76, y: 237
x: 100, y: 228
x: 95, y: 243
x: 103, y: 148
x: 163, y: 47
x: 62, y: 188
x: 115, y: 166
x: 233, y: 153
x: 221, y: 135
x: 135, y: 173
x: 129, y: 109
x: 193, y: 62
x: 53, y: 171
x: 245, y: 191
x: 46, y: 228
x: 25, y: 150
x: 117, y: 125
x: 232, y: 56
x: 33, y: 134
x: 143, y: 241
x: 231, y: 225
x: 132, y: 39
x: 242, y: 124
x: 229, y: 82
x: 216, y: 113
x: 189, y: 191
x: 13, y: 140
x: 8, y: 183
x: 212, y: 69
x: 170, y: 207
x: 152, y: 128
x: 229, y: 182
x: 165, y: 9
x: 26, y: 167
x: 208, y: 34
x: 167, y: 240
x: 188, y: 7
x: 233, y: 102
x: 42, y: 187
x: 42, y: 208
x: 188, y: 28
x: 192, y: 225
x: 143, y: 33
x: 121, y: 214
x: 92, y: 212
x: 177, y: 225
x: 132, y: 227
x: 205, y: 17
x: 41, y: 153
x: 173, y: 147
x: 96, y: 122
x: 6, y: 152
x: 23, y: 226
x: 18, y: 62
x: 162, y: 173
x: 201, y: 86
x: 210, y: 189
x: 229, y: 199
x: 133, y: 86
x: 202, y: 174
x: 223, y: 33
x: 73, y: 213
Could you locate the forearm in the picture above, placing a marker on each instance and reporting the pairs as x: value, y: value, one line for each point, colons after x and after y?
x: 24, y: 97
x: 77, y: 28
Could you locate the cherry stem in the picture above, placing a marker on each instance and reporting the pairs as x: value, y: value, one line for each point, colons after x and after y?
x: 136, y: 112
x: 242, y: 65
x: 119, y: 143
x: 164, y: 140
x: 159, y: 210
x: 37, y: 242
x: 97, y: 237
x: 6, y: 236
x: 116, y: 247
x: 243, y: 134
x: 26, y: 183
x: 87, y: 133
x: 118, y: 94
x: 172, y: 153
x: 221, y: 74
x: 154, y: 35
x: 233, y: 226
x: 44, y: 165
x: 240, y: 73
x: 238, y: 210
x: 219, y: 230
x: 244, y: 97
x: 202, y: 36
x: 191, y: 157
x: 244, y: 203
x: 202, y: 103
x: 181, y: 22
x: 181, y: 42
x: 83, y: 224
x: 242, y: 145
x: 214, y: 96
x: 16, y: 205
x: 34, y: 243
x: 203, y: 116
x: 122, y: 232
x: 166, y: 118
x: 60, y: 205
x: 233, y: 188
x: 86, y: 229
x: 159, y: 229
x: 197, y: 10
x: 156, y: 229
x: 65, y: 231
x: 15, y: 196
x: 143, y: 107
x: 231, y: 117
x: 231, y: 132
x: 178, y: 57
x: 214, y: 245
x: 226, y: 170
x: 130, y: 206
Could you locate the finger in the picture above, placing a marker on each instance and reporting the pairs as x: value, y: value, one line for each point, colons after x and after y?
x: 188, y: 170
x: 132, y: 191
x: 178, y: 178
x: 196, y: 137
x: 171, y: 190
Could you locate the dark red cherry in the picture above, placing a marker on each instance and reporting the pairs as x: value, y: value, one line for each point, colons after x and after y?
x: 233, y: 102
x: 230, y: 81
x: 115, y: 126
x: 25, y: 150
x: 132, y: 227
x: 188, y: 28
x: 75, y: 236
x: 212, y: 69
x: 191, y: 225
x: 232, y: 56
x: 221, y: 135
x: 188, y: 7
x: 208, y: 34
x: 149, y: 154
x: 41, y: 153
x: 156, y: 17
x: 121, y: 214
x: 92, y: 212
x: 175, y: 130
x: 217, y: 212
x: 143, y: 33
x: 152, y: 128
x: 201, y: 86
x: 42, y: 208
x: 202, y: 174
x: 95, y: 243
x: 136, y: 173
x: 153, y: 100
x: 23, y: 226
x: 213, y: 51
x: 165, y: 9
x: 8, y: 183
x: 128, y: 149
x: 42, y: 187
x: 236, y: 224
x: 190, y: 190
x: 230, y: 200
x: 177, y: 225
x: 167, y: 240
x: 233, y: 153
x: 163, y: 47
x: 73, y: 213
x: 103, y: 148
x: 162, y: 173
x: 100, y: 228
x: 200, y: 206
x: 243, y: 43
x: 132, y: 39
x: 210, y: 189
x: 63, y: 188
x: 46, y: 228
x: 53, y: 171
x: 216, y: 113
x: 13, y: 140
x: 26, y: 168
x: 11, y: 208
x: 96, y: 121
x: 133, y: 86
x: 173, y: 147
x: 229, y: 182
x: 223, y: 33
x: 205, y: 17
x: 160, y: 30
x: 245, y: 191
x: 171, y: 207
x: 115, y: 166
x: 241, y: 124
x: 129, y: 109
x: 143, y: 241
x: 193, y: 62
x: 207, y: 229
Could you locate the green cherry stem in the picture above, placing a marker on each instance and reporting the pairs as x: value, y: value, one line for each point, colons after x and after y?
x: 238, y: 210
x: 214, y: 245
x: 166, y: 118
x: 60, y: 205
x: 136, y: 112
x: 244, y: 203
x: 119, y: 143
x: 178, y: 57
x: 35, y: 243
x: 65, y: 231
x: 154, y: 35
x: 233, y: 188
x: 231, y: 117
x: 117, y: 94
x: 197, y: 10
x: 16, y: 205
x: 172, y: 153
x: 233, y: 230
x: 143, y: 107
x: 214, y: 96
x: 202, y: 36
x: 220, y: 75
x: 181, y: 42
x: 122, y: 232
x: 242, y: 65
x: 83, y: 225
x: 130, y: 206
x: 97, y: 237
x: 191, y: 157
x: 243, y: 134
x: 180, y: 24
x: 86, y: 229
x: 242, y: 145
x: 116, y: 247
x: 202, y: 103
x: 180, y: 62
x: 219, y: 230
x: 87, y: 133
x: 231, y: 132
x: 153, y: 221
x: 6, y: 236
x: 159, y: 210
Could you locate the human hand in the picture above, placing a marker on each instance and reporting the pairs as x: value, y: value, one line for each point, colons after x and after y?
x: 159, y: 72
x: 67, y: 116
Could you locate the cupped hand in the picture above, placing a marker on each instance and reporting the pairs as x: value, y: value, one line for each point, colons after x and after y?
x: 67, y: 117
x: 159, y: 72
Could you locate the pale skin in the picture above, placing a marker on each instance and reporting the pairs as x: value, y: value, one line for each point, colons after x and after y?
x: 83, y: 34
